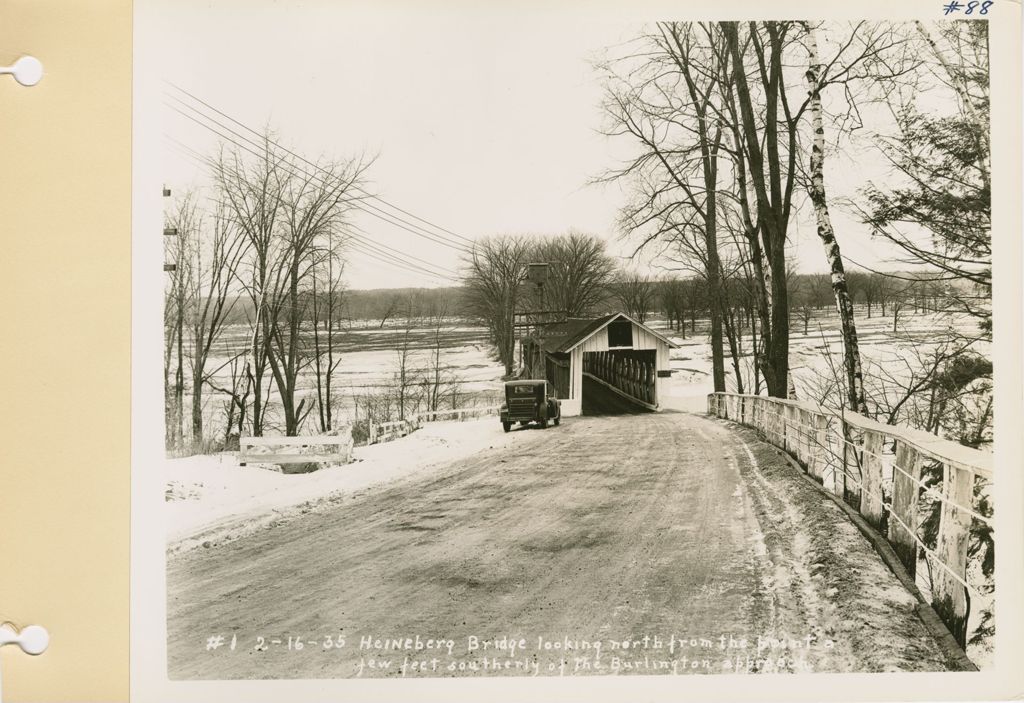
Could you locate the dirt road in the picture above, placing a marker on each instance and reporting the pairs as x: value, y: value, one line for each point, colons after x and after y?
x: 647, y: 544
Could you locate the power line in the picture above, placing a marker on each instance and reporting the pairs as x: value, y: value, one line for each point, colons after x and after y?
x: 392, y: 254
x: 357, y: 229
x: 365, y: 207
x: 309, y: 163
x: 369, y: 247
x: 389, y: 256
x: 373, y: 211
x: 208, y: 162
x: 361, y: 248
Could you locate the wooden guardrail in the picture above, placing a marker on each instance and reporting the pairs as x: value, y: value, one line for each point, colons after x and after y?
x: 458, y: 414
x: 379, y: 432
x: 340, y: 454
x: 388, y: 431
x: 890, y: 474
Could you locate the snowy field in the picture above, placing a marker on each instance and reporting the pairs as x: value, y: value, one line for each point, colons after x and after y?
x: 369, y: 359
x: 816, y: 357
x: 369, y: 362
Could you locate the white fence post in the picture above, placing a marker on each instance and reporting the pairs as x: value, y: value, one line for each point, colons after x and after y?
x: 948, y: 595
x: 905, y: 489
x: 871, y: 503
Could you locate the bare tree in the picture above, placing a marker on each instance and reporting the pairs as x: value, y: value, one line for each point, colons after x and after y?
x: 315, y: 203
x: 636, y: 294
x: 495, y: 269
x: 215, y: 253
x: 667, y: 108
x: 406, y: 377
x: 327, y: 301
x: 394, y: 304
x: 252, y: 189
x: 579, y: 274
x: 767, y: 135
x: 182, y: 230
x: 286, y: 207
x: 440, y: 385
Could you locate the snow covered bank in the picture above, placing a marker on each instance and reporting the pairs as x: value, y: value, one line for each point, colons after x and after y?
x: 211, y: 498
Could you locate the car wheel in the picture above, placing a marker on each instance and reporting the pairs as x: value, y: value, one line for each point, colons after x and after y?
x: 544, y: 424
x: 507, y: 426
x: 558, y: 419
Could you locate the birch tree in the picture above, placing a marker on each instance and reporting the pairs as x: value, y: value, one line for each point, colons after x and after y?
x: 826, y: 233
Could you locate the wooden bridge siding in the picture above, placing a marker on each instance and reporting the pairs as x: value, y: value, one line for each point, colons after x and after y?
x: 622, y: 369
x: 576, y: 366
x: 845, y: 454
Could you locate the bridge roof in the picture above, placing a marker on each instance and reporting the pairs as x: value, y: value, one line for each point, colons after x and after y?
x: 565, y: 337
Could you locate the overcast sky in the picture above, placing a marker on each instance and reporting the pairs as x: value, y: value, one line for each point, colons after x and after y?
x: 483, y: 123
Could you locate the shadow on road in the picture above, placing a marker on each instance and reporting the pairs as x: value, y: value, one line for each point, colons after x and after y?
x: 599, y: 400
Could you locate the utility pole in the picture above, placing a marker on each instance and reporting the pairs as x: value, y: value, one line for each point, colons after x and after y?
x: 176, y: 288
x: 537, y: 273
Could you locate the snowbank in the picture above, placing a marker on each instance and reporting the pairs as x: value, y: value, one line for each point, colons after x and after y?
x: 211, y: 497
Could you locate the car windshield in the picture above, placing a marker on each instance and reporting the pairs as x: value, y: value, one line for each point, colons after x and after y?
x: 523, y: 390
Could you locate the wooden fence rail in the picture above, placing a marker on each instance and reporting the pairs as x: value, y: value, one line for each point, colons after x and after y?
x: 388, y: 431
x: 298, y: 449
x: 891, y: 475
x: 335, y: 450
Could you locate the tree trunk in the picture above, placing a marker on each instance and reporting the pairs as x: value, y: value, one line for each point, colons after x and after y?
x: 197, y: 405
x: 179, y: 378
x: 715, y: 292
x: 771, y: 188
x: 854, y: 374
x: 733, y: 336
x: 775, y: 360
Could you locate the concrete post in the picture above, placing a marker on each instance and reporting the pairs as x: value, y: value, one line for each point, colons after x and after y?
x: 948, y: 595
x: 871, y: 468
x: 904, y: 505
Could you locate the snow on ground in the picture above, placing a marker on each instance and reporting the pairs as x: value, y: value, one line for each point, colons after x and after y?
x: 210, y: 498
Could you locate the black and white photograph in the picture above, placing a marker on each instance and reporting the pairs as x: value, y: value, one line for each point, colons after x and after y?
x: 510, y: 343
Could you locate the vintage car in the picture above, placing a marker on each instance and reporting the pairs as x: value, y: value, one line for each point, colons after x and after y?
x: 529, y: 400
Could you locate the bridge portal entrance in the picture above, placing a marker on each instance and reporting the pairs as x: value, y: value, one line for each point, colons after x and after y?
x: 605, y: 365
x: 619, y: 382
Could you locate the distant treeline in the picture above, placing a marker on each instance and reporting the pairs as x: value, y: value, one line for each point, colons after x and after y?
x: 377, y: 305
x: 674, y: 298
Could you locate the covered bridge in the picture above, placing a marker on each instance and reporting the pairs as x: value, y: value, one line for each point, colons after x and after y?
x: 589, y: 360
